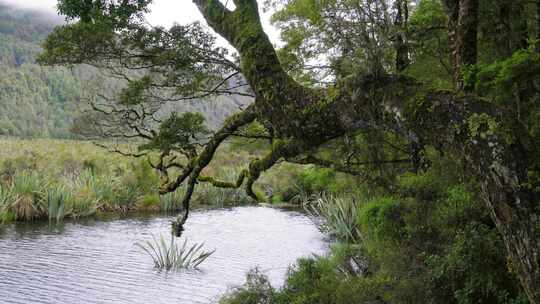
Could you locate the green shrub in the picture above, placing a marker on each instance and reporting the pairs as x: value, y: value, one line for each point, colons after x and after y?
x: 382, y: 219
x: 473, y: 270
x: 311, y: 281
x: 256, y: 290
x: 316, y: 180
x: 423, y: 186
x: 458, y: 207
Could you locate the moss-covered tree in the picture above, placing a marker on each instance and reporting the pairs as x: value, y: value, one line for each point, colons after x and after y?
x: 488, y: 118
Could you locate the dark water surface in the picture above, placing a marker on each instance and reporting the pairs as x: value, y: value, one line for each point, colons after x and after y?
x: 96, y: 262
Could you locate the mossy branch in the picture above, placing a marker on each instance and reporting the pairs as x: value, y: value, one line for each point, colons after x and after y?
x: 193, y: 169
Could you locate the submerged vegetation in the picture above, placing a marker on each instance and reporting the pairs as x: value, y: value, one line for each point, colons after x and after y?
x: 172, y: 256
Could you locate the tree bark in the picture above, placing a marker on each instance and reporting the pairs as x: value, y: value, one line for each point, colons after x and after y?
x: 502, y: 170
x: 400, y: 22
x: 463, y: 31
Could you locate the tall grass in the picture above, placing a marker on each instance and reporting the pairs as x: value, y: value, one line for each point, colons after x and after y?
x: 57, y: 199
x: 171, y: 201
x: 5, y: 198
x: 94, y: 180
x: 172, y: 256
x: 339, y: 214
x: 5, y: 195
x: 208, y: 194
x: 26, y: 203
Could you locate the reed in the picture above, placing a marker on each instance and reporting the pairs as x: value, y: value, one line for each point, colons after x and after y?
x: 174, y: 256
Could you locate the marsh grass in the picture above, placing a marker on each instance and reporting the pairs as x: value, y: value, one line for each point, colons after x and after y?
x: 26, y: 199
x: 57, y: 201
x: 174, y: 256
x: 171, y: 201
x: 223, y: 197
x: 339, y: 214
x: 56, y: 179
x: 5, y: 198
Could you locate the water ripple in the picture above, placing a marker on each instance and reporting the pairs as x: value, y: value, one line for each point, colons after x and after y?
x: 96, y: 262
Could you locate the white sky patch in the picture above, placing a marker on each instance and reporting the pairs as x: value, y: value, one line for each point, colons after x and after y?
x: 162, y: 12
x: 46, y: 5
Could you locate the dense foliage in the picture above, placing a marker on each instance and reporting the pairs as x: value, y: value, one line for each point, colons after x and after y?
x: 429, y: 241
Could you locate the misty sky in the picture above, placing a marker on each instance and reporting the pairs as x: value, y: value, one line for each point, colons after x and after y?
x: 163, y: 12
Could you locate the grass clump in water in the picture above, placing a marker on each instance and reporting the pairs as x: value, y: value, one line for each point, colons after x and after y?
x: 172, y: 255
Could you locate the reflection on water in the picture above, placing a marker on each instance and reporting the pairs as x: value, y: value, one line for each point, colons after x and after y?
x: 94, y: 261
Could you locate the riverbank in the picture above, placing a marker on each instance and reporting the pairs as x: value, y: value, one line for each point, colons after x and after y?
x: 57, y: 179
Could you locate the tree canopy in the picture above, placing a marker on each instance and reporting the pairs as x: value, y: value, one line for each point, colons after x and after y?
x: 381, y: 80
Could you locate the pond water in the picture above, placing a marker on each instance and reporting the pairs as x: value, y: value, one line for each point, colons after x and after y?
x: 95, y: 261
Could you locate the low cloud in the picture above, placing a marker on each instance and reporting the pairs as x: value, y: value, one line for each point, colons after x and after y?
x: 42, y: 5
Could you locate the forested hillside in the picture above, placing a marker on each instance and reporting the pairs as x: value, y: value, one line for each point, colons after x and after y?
x: 34, y: 100
x: 38, y: 101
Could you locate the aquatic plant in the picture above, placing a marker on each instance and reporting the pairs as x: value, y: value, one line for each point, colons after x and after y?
x: 82, y: 204
x: 300, y: 196
x: 125, y: 197
x: 339, y: 214
x: 173, y: 256
x: 96, y: 180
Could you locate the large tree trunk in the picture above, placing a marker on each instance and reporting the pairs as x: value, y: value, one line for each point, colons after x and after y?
x: 515, y: 212
x: 511, y: 197
x: 401, y: 44
x: 463, y: 31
